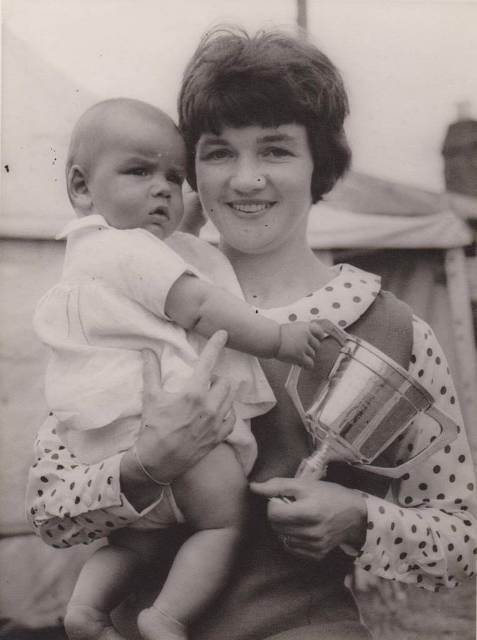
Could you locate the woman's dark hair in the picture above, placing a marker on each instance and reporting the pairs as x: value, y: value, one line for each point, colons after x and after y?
x: 271, y: 78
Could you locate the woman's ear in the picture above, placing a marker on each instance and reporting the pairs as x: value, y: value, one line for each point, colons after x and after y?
x: 78, y: 190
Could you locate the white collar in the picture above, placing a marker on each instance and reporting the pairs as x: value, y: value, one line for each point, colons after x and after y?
x: 342, y: 300
x: 94, y: 220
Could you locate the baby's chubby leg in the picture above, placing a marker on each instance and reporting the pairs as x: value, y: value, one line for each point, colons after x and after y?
x: 105, y: 580
x: 212, y: 496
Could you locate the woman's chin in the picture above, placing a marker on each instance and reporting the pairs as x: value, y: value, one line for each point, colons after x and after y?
x: 247, y: 245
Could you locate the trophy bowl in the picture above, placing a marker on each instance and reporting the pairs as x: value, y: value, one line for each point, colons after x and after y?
x: 367, y: 401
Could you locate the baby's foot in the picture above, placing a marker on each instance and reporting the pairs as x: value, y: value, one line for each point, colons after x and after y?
x: 86, y: 623
x: 154, y: 624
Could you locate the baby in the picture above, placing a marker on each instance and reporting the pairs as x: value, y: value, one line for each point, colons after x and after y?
x: 124, y: 290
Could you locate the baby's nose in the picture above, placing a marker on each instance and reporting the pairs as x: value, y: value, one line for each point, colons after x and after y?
x: 161, y: 187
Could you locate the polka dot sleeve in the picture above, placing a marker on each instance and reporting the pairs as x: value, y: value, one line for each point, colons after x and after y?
x: 69, y: 502
x: 426, y: 532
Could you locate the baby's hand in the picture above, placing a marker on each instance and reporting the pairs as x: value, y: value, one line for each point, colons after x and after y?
x: 299, y: 342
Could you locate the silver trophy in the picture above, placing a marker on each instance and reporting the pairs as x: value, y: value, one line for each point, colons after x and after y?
x: 367, y: 401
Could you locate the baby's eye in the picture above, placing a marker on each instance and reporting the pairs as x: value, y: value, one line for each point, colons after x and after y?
x: 138, y: 171
x: 175, y: 177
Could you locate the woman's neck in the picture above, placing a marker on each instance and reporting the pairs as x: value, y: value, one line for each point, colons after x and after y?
x: 279, y: 277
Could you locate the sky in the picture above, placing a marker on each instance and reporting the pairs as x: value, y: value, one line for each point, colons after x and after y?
x: 406, y: 64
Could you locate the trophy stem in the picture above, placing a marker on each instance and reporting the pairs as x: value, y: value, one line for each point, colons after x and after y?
x: 314, y: 467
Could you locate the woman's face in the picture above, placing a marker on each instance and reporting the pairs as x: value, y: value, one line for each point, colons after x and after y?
x: 255, y: 184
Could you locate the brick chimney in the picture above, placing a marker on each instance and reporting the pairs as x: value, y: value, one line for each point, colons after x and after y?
x: 460, y: 153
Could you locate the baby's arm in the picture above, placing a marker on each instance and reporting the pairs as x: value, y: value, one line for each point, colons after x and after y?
x: 196, y: 304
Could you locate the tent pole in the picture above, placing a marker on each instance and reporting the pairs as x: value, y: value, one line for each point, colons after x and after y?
x: 301, y: 14
x: 463, y: 334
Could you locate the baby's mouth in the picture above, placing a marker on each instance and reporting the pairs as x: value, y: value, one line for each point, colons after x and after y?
x: 160, y: 214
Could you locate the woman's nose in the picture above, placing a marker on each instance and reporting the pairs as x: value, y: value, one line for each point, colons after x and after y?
x: 247, y: 177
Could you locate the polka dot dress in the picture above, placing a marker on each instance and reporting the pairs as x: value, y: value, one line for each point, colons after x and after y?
x: 425, y: 533
x: 433, y: 540
x: 69, y: 502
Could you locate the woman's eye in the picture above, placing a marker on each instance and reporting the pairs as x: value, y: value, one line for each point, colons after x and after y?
x: 216, y: 154
x: 277, y: 152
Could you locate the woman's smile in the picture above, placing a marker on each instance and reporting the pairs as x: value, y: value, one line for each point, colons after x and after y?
x: 250, y: 207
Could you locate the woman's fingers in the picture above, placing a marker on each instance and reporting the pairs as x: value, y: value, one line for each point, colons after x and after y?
x: 210, y: 412
x: 188, y: 423
x: 275, y: 487
x: 308, y: 543
x: 318, y: 517
x: 303, y: 553
x: 222, y: 391
x: 220, y: 399
x: 278, y: 488
x: 201, y: 376
x: 226, y: 425
x: 205, y: 365
x: 221, y: 395
x: 151, y: 373
x: 303, y: 533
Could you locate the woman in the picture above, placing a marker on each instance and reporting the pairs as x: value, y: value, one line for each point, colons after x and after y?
x: 263, y: 122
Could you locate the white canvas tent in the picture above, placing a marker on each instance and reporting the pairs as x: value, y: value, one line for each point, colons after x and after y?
x: 35, y: 133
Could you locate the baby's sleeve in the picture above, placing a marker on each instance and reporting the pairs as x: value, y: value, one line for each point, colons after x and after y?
x: 148, y: 269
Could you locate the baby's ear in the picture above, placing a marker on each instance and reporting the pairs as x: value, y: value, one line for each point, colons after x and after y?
x: 78, y: 190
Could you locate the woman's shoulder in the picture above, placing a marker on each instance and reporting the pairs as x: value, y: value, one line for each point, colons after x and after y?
x: 194, y: 249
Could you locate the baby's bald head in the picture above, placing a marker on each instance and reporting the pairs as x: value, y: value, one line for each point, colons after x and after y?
x: 108, y: 136
x: 104, y: 121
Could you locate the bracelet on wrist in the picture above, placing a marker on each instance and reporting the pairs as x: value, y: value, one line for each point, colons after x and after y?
x: 146, y: 472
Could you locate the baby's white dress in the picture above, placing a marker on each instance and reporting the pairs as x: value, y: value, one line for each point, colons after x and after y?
x: 107, y: 308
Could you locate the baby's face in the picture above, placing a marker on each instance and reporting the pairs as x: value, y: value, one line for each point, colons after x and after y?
x: 137, y: 174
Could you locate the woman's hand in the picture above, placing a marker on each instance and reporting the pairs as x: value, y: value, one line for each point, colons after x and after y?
x: 179, y: 428
x: 319, y: 516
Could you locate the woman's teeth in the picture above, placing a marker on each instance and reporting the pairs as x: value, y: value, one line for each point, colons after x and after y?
x: 250, y: 207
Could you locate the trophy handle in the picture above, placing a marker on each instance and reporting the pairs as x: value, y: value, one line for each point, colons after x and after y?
x: 291, y: 383
x: 333, y: 331
x: 449, y: 431
x: 291, y: 387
